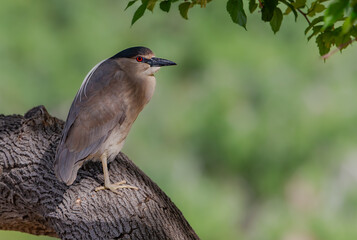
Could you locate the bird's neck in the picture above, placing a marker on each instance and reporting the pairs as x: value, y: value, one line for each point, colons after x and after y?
x: 140, y: 92
x: 147, y: 88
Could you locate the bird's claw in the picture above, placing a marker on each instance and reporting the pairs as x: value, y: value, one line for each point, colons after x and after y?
x: 114, y: 186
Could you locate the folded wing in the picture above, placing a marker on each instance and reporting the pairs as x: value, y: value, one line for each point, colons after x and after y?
x: 97, y: 108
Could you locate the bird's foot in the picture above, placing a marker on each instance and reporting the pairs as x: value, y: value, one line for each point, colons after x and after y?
x: 114, y: 186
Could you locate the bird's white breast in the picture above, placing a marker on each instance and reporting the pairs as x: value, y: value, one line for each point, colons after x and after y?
x: 150, y: 83
x: 115, y: 141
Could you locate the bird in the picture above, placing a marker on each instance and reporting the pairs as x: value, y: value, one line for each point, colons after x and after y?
x: 103, y: 111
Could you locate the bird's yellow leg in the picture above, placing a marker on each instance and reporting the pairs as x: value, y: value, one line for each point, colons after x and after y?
x: 107, y: 184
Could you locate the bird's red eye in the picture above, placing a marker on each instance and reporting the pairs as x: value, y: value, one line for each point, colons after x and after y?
x: 139, y: 59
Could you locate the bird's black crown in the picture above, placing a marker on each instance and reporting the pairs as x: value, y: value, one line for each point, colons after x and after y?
x: 132, y: 52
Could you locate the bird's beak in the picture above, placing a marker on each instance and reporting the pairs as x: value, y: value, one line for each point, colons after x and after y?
x: 160, y: 62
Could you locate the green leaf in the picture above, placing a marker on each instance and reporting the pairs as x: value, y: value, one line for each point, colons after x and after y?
x: 313, y: 23
x: 339, y: 39
x: 165, y: 6
x: 290, y: 7
x: 324, y: 47
x: 354, y: 10
x: 235, y: 9
x: 183, y: 8
x: 252, y: 5
x: 315, y: 7
x: 268, y: 10
x: 275, y: 22
x: 354, y: 13
x: 349, y: 21
x: 287, y: 11
x: 346, y: 26
x: 139, y: 12
x: 319, y: 8
x: 343, y: 41
x: 151, y: 5
x: 353, y: 32
x: 129, y: 4
x: 299, y: 3
x: 335, y: 12
x: 315, y: 30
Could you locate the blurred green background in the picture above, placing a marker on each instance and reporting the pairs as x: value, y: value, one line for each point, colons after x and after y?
x: 252, y: 135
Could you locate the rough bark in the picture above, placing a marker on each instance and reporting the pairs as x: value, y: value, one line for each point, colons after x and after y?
x: 32, y: 200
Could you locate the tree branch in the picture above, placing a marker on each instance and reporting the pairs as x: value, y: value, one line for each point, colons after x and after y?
x: 305, y: 15
x: 339, y: 48
x: 32, y: 200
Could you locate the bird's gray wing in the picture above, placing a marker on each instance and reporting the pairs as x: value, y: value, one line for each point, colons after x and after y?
x: 95, y: 111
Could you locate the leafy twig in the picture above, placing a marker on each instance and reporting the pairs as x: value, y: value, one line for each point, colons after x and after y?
x: 305, y: 15
x: 340, y: 47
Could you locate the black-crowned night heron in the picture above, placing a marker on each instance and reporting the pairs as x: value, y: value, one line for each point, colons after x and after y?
x: 109, y: 100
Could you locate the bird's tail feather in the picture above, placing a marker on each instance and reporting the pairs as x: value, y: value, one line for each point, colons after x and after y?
x: 66, y: 166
